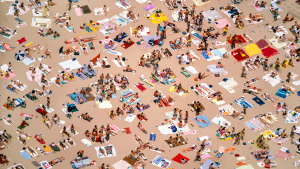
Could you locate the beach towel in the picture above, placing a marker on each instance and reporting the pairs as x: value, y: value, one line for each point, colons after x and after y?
x: 207, y: 164
x: 156, y: 20
x: 252, y: 49
x: 202, y: 125
x: 22, y: 12
x: 118, y: 20
x: 126, y: 45
x: 41, y: 22
x: 24, y: 154
x: 258, y: 101
x: 130, y: 118
x: 282, y: 153
x: 70, y: 65
x: 292, y: 117
x: 281, y: 92
x: 140, y: 86
x: 271, y: 80
x: 141, y: 1
x: 107, y: 154
x: 255, y: 124
x: 241, y: 102
x: 178, y: 158
x: 240, y: 37
x: 121, y: 165
x: 100, y: 11
x: 86, y: 9
x: 211, y: 15
x: 219, y: 120
x: 227, y: 109
x: 262, y: 43
x: 78, y: 11
x: 274, y: 42
x: 200, y: 2
x: 192, y: 69
x: 222, y: 23
x: 85, y: 161
x: 161, y: 162
x: 239, y: 57
x: 268, y: 52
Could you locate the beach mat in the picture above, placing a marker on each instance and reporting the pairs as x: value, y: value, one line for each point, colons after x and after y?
x: 86, y: 9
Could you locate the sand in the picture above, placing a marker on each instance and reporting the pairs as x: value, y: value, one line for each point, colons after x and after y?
x: 123, y: 142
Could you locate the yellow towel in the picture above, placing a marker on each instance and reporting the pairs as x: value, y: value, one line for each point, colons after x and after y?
x: 156, y: 20
x: 252, y: 49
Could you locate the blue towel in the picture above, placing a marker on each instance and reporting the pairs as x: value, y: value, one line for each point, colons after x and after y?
x: 241, y: 102
x: 207, y: 164
x: 85, y: 77
x: 218, y: 53
x: 258, y: 101
x: 77, y: 99
x: 204, y: 54
x: 282, y: 93
x: 25, y: 155
x: 19, y: 20
x: 203, y: 124
x: 198, y: 36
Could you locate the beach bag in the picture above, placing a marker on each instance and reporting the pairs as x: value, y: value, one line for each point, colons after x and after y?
x: 151, y: 42
x: 152, y: 137
x: 174, y: 129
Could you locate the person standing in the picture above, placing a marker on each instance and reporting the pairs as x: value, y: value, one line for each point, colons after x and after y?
x: 198, y: 157
x: 288, y: 77
x: 48, y: 102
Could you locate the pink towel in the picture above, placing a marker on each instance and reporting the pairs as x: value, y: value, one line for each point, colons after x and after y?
x: 190, y: 132
x: 10, y: 76
x: 205, y: 156
x: 78, y: 11
x: 222, y: 23
x: 38, y: 75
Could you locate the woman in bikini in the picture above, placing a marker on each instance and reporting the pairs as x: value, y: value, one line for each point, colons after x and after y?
x: 141, y: 128
x: 254, y: 88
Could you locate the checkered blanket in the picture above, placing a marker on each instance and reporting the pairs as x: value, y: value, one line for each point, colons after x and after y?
x: 255, y: 124
x: 280, y: 140
x: 144, y: 46
x: 114, y: 128
x: 283, y: 155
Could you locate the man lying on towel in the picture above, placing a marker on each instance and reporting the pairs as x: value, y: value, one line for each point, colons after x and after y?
x: 129, y: 69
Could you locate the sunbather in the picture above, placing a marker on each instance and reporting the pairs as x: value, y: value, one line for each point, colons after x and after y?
x: 39, y: 138
x: 11, y: 87
x: 250, y: 92
x: 57, y: 160
x: 287, y: 88
x: 251, y: 81
x: 141, y: 128
x: 288, y: 18
x: 56, y: 119
x: 23, y: 141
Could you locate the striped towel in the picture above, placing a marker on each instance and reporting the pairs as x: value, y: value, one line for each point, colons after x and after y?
x: 7, y: 47
x: 114, y: 128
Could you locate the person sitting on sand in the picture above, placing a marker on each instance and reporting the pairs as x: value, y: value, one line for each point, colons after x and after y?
x: 288, y: 18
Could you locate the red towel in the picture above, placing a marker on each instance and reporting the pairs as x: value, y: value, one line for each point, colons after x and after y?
x: 240, y: 36
x: 268, y: 52
x: 141, y: 87
x: 26, y: 115
x: 127, y: 130
x: 39, y: 110
x: 125, y: 45
x: 239, y: 57
x: 22, y: 40
x: 262, y: 44
x: 39, y: 141
x: 179, y: 157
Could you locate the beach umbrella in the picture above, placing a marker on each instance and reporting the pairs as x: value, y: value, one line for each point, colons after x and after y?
x: 19, y: 56
x: 61, y: 50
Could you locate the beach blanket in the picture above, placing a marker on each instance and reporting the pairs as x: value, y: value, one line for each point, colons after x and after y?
x: 41, y: 22
x: 228, y: 85
x: 258, y: 101
x: 178, y: 158
x: 219, y: 120
x: 200, y: 124
x: 161, y: 162
x: 123, y: 37
x: 274, y: 42
x: 283, y: 154
x: 213, y: 68
x: 85, y: 161
x: 70, y: 65
x: 281, y: 92
x: 181, y: 93
x: 241, y: 102
x: 227, y: 109
x: 126, y: 45
x: 24, y: 154
x: 200, y: 2
x: 192, y: 69
x: 239, y: 57
x: 22, y: 12
x: 111, y: 153
x: 120, y: 5
x: 262, y: 43
x: 271, y: 80
x: 292, y: 117
x: 78, y: 11
x: 221, y: 23
x: 130, y: 117
x: 211, y: 15
x: 255, y: 124
x: 156, y: 20
x: 268, y: 52
x: 280, y: 140
x: 208, y: 163
x: 100, y: 11
x: 258, y: 8
x: 107, y: 28
x: 252, y: 49
x: 282, y: 28
x: 121, y: 164
x: 91, y: 29
x: 118, y: 20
